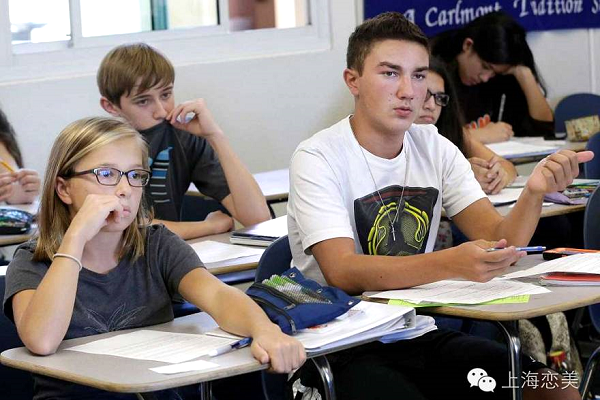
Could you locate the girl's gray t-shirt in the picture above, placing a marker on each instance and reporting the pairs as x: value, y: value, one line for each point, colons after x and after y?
x: 131, y: 295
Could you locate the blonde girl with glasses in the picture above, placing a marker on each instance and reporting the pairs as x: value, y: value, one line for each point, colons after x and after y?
x: 97, y: 266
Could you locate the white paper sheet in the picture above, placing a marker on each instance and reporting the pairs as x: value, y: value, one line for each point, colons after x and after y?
x: 461, y: 292
x: 198, y: 365
x: 506, y: 196
x: 155, y: 345
x: 580, y: 263
x: 210, y: 251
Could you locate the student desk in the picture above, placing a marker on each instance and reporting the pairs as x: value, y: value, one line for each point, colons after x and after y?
x: 127, y: 375
x: 562, y: 298
x: 236, y: 264
x: 550, y: 211
x: 275, y: 185
x: 226, y: 266
x: 540, y: 141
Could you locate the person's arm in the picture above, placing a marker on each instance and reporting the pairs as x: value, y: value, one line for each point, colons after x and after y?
x: 42, y: 316
x: 491, y: 171
x: 538, y: 107
x: 554, y: 173
x: 356, y: 273
x: 493, y: 132
x: 237, y: 313
x: 246, y: 203
x: 216, y: 222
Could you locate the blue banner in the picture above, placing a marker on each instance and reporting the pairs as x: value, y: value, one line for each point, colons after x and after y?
x: 435, y: 16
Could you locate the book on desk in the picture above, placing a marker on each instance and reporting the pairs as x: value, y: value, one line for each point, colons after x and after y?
x: 262, y: 234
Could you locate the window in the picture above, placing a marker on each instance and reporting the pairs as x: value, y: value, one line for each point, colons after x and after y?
x: 72, y: 21
x: 66, y: 38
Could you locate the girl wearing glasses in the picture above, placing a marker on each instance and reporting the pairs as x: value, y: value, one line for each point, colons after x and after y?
x: 499, y: 88
x: 441, y: 108
x: 98, y: 267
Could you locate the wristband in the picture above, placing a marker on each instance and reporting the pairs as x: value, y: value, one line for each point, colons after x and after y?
x: 69, y: 257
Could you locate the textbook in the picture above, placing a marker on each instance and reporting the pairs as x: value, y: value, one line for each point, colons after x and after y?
x: 570, y: 279
x: 365, y: 322
x: 262, y: 234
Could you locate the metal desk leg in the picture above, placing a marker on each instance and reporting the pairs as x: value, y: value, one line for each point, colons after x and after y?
x: 326, y: 376
x: 510, y: 330
x: 205, y: 391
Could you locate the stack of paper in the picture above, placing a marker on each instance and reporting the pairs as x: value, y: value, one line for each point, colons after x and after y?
x: 145, y: 344
x: 506, y: 196
x: 461, y: 292
x: 210, y: 251
x: 580, y: 263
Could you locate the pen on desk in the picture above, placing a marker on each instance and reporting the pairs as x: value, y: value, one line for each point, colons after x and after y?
x: 228, y: 347
x: 7, y: 166
x: 501, y: 110
x: 529, y: 249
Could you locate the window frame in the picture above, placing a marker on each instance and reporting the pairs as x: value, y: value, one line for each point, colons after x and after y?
x: 81, y: 55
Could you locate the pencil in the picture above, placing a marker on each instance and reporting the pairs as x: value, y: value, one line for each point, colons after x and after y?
x: 7, y: 166
x: 501, y: 110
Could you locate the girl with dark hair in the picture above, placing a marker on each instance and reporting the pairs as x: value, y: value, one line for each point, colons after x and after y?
x: 442, y: 109
x: 17, y: 185
x: 499, y: 88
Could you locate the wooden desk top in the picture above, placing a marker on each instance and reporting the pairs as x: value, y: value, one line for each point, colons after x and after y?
x: 275, y: 185
x: 550, y: 211
x: 117, y: 374
x: 561, y: 298
x: 226, y: 266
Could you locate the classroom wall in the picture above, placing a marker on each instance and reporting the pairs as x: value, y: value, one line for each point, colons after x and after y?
x: 268, y: 105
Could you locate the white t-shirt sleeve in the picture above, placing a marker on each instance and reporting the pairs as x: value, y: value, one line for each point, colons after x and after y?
x: 460, y: 188
x: 316, y: 200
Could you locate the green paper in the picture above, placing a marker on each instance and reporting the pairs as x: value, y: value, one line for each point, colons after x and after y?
x: 506, y: 300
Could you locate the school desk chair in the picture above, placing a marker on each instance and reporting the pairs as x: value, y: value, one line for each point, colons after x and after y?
x: 275, y: 260
x: 14, y: 384
x: 591, y: 169
x: 591, y: 240
x: 575, y: 106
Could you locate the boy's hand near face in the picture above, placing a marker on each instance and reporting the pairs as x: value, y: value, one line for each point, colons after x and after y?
x: 202, y: 124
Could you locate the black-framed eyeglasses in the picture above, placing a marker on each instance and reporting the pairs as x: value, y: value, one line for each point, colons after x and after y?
x: 109, y: 176
x: 441, y: 99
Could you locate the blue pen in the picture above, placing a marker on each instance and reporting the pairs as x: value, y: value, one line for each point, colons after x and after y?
x: 228, y: 347
x: 530, y: 249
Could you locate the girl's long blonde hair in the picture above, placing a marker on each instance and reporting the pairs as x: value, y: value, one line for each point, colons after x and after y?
x: 74, y: 143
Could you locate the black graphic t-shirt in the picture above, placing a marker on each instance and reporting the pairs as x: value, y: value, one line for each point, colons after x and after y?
x: 178, y: 158
x: 400, y: 226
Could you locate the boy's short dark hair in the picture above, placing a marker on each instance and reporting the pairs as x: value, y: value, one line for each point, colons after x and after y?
x: 389, y: 25
x: 124, y: 65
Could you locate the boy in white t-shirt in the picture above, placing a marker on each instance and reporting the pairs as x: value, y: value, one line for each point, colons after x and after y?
x: 372, y: 186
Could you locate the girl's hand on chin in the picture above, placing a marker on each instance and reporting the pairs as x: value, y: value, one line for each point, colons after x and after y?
x: 95, y: 213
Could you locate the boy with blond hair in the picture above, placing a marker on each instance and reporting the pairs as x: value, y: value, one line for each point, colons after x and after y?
x: 136, y: 83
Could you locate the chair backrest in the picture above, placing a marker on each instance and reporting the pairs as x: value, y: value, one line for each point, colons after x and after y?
x: 591, y: 169
x: 275, y: 259
x: 591, y: 222
x: 14, y: 383
x: 575, y: 106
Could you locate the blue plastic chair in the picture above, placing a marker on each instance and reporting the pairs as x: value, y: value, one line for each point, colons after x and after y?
x: 575, y: 106
x: 591, y: 169
x: 591, y: 240
x: 14, y: 384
